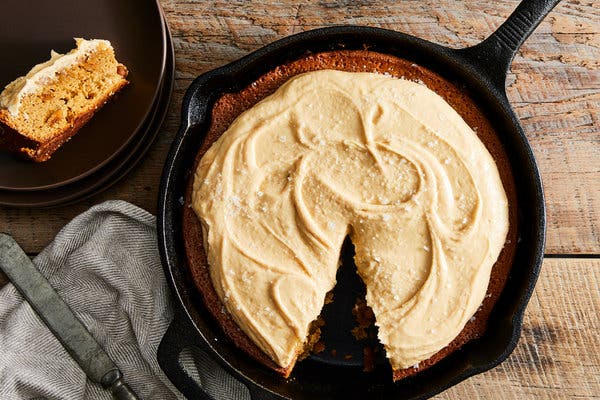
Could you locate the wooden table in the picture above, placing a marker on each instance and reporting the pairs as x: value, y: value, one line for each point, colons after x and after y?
x: 554, y: 87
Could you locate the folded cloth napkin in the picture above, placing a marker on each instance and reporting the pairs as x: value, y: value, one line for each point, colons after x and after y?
x: 105, y: 265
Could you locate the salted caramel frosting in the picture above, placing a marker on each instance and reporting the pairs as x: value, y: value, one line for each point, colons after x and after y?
x: 384, y: 160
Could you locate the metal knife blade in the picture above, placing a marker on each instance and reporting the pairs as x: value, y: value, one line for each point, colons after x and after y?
x: 59, y: 318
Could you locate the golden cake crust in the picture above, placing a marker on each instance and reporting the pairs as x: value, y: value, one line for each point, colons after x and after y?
x: 231, y: 105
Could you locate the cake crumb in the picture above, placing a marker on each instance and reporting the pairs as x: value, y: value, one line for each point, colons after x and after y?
x: 319, y: 347
x: 311, y: 345
x: 329, y: 298
x: 364, y: 317
x: 359, y: 333
x: 368, y: 359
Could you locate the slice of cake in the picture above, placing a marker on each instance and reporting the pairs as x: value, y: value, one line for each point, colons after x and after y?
x: 335, y: 145
x: 45, y: 108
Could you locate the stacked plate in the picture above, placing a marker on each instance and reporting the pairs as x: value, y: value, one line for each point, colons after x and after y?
x: 118, y: 136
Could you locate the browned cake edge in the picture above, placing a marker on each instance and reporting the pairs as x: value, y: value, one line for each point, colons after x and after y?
x: 12, y: 140
x: 231, y: 105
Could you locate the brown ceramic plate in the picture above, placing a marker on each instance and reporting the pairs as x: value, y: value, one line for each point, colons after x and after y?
x: 111, y: 173
x: 29, y: 29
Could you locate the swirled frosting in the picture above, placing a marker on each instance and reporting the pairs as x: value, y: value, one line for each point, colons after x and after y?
x: 384, y: 160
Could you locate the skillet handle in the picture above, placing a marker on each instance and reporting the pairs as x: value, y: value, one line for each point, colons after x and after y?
x: 177, y: 338
x: 171, y: 346
x: 492, y: 57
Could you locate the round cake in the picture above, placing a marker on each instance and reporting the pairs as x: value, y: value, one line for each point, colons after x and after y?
x: 358, y: 144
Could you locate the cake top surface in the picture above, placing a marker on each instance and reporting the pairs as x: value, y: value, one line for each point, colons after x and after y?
x: 330, y: 154
x: 40, y: 74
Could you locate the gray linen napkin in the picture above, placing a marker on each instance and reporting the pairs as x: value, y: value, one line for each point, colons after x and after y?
x: 105, y: 265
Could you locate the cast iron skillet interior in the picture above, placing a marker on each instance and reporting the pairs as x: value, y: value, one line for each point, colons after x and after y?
x: 482, y: 70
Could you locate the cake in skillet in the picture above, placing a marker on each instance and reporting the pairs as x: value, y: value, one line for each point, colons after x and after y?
x: 358, y: 144
x: 42, y: 110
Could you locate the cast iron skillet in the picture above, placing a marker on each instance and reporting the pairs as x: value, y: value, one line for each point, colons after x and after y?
x: 482, y: 69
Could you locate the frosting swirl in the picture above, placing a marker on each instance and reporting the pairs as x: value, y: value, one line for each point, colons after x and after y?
x: 330, y: 154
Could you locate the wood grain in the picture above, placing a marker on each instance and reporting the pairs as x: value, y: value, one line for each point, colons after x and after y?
x: 558, y: 356
x: 554, y: 87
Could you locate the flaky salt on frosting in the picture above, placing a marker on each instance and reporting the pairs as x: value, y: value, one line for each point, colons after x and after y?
x: 330, y: 154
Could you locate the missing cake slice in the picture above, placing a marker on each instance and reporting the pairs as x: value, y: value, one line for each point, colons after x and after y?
x: 43, y: 109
